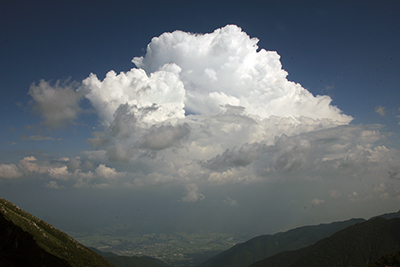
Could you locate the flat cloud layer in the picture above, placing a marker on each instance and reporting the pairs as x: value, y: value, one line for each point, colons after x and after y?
x: 204, y: 110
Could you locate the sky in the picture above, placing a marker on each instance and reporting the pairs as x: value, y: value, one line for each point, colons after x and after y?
x: 226, y: 116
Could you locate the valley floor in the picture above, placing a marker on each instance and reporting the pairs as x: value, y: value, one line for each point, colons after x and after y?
x: 177, y: 249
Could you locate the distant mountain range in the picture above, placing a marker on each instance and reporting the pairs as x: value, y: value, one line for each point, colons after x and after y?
x: 261, y: 247
x: 28, y: 241
x: 355, y: 246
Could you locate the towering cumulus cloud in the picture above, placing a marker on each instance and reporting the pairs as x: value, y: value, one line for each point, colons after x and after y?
x: 225, y: 68
x: 213, y: 109
x: 203, y: 73
x: 213, y: 91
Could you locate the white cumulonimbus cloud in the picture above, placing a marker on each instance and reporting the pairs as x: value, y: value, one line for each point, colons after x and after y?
x: 184, y: 73
x: 210, y: 108
x: 226, y: 68
x: 207, y: 91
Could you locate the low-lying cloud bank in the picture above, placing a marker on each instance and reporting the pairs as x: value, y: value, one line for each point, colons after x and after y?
x: 204, y: 110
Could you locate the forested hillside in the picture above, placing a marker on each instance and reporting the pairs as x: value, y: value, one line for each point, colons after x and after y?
x: 261, y: 247
x: 355, y: 246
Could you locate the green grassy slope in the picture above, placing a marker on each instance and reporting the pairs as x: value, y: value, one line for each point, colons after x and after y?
x: 20, y: 228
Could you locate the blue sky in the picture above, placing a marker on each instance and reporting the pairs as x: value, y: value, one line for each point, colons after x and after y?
x: 212, y: 141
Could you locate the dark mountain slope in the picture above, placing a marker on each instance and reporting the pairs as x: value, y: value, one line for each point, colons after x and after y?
x: 124, y: 261
x: 18, y: 248
x: 357, y: 245
x: 392, y: 259
x: 28, y: 241
x: 260, y: 247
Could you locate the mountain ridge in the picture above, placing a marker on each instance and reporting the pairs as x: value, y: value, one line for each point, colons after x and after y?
x: 29, y: 241
x: 263, y: 246
x: 357, y: 246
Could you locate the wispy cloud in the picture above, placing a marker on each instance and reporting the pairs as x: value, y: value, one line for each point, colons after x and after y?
x: 53, y: 185
x: 317, y: 201
x: 192, y: 194
x: 36, y: 138
x: 380, y: 110
x: 9, y: 171
x: 58, y: 105
x: 335, y: 193
x: 231, y: 202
